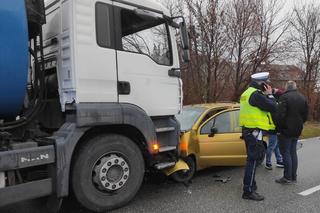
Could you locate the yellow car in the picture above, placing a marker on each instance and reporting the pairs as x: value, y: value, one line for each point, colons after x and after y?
x: 210, y: 136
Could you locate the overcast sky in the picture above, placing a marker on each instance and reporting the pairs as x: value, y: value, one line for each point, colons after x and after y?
x: 289, y: 4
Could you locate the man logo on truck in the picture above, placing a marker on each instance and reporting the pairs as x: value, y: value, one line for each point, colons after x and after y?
x: 39, y: 158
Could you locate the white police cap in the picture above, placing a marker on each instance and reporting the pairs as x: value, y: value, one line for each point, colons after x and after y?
x: 261, y: 76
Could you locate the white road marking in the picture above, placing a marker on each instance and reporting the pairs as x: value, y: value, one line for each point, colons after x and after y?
x: 310, y: 191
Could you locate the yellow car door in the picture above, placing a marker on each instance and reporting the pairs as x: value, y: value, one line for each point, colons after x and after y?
x: 219, y: 140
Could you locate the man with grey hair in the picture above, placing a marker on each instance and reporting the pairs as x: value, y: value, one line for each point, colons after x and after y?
x: 291, y: 114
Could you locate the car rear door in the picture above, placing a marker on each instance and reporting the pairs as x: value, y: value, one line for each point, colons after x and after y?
x: 224, y: 147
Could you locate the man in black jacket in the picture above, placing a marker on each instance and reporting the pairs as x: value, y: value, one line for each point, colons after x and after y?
x: 292, y: 113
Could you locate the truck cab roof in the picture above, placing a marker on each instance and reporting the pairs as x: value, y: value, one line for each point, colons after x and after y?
x: 143, y: 4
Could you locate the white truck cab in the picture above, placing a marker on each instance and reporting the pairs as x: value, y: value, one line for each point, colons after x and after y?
x: 102, y: 90
x: 115, y: 51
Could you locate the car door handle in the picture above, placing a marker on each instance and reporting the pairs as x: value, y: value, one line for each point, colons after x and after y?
x: 241, y: 137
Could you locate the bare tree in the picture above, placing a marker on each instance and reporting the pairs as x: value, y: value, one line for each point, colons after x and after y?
x: 175, y: 7
x: 306, y: 38
x: 256, y: 37
x: 209, y: 44
x: 229, y: 41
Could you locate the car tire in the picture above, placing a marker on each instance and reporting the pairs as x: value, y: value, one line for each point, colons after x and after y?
x: 107, y: 172
x: 185, y: 176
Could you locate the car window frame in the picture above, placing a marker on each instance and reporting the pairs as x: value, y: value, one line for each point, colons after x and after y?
x: 234, y: 119
x: 200, y: 121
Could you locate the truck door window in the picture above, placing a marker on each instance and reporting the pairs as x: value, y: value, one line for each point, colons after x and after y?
x: 146, y: 35
x: 103, y: 24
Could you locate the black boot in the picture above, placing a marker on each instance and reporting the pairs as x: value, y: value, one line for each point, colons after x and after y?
x: 254, y: 188
x: 283, y: 180
x: 252, y: 196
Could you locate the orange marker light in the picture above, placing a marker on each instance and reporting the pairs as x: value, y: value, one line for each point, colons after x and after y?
x: 155, y: 147
x: 183, y: 146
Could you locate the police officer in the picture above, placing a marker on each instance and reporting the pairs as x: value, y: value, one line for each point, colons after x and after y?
x: 256, y: 104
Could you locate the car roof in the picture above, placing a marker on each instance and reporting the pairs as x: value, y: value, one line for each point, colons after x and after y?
x: 217, y: 105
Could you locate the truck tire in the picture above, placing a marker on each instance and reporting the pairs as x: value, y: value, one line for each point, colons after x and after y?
x: 185, y: 176
x: 107, y: 172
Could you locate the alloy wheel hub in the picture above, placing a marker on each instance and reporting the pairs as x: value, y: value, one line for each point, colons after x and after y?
x: 111, y: 172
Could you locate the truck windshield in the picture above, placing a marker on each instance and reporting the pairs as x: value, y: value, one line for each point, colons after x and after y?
x: 146, y: 35
x: 189, y: 116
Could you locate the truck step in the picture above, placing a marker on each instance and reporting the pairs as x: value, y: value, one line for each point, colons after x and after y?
x: 167, y: 148
x: 164, y: 129
x: 160, y: 166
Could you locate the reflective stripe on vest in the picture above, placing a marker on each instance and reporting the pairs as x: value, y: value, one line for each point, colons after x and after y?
x: 253, y: 117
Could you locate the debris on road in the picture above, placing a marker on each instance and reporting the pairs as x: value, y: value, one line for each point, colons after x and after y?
x: 218, y: 178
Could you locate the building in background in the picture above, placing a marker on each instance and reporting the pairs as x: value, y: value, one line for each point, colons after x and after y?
x: 280, y: 74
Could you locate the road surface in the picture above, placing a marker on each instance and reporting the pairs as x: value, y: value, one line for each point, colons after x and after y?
x: 205, y: 194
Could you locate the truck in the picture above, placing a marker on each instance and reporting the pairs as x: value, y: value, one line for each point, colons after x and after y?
x: 88, y: 94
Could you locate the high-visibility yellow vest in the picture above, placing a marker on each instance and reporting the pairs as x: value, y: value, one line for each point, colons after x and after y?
x: 253, y: 117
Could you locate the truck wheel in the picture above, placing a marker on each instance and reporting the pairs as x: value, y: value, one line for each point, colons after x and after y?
x: 184, y: 176
x: 107, y: 172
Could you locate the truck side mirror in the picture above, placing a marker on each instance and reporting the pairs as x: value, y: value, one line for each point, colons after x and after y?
x: 184, y: 35
x: 186, y: 56
x: 213, y: 131
x: 184, y: 42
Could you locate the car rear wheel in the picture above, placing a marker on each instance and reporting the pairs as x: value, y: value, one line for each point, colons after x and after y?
x: 185, y: 175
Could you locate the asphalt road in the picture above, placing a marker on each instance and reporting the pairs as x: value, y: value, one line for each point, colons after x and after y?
x: 205, y: 194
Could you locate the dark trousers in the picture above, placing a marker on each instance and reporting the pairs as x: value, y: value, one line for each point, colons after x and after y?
x: 288, y: 149
x: 249, y: 182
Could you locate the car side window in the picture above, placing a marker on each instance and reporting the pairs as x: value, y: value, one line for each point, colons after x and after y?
x: 207, y: 116
x: 206, y: 129
x: 221, y: 122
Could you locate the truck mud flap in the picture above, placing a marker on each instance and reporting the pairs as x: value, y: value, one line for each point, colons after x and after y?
x: 23, y: 158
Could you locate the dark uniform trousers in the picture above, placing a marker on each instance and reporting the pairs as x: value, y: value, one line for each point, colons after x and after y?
x: 249, y: 183
x: 288, y: 149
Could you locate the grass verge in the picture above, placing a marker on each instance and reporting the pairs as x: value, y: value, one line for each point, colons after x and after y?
x: 311, y: 130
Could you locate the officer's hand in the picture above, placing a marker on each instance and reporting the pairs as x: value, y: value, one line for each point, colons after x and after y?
x: 268, y: 89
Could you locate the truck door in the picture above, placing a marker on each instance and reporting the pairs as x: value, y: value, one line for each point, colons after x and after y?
x: 145, y: 56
